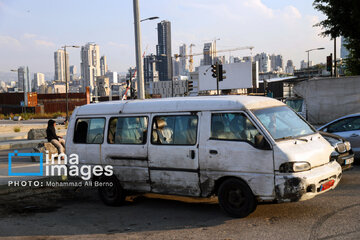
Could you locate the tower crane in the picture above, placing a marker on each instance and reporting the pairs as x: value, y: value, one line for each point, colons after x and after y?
x: 191, y: 55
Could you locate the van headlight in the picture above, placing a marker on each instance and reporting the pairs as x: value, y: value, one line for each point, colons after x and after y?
x: 289, y: 167
x: 347, y: 145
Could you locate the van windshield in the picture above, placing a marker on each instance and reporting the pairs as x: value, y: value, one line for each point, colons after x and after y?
x: 283, y: 123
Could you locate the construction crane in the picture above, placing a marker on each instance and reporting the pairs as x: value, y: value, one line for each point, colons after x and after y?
x: 191, y: 55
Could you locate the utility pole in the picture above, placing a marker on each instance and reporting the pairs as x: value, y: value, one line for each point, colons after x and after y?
x: 139, y: 66
x: 67, y: 80
x: 335, y: 64
x: 66, y: 86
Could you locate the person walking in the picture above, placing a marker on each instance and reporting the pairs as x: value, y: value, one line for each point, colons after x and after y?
x: 51, y: 136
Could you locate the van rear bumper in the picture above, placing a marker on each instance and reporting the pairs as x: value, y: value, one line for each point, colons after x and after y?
x: 292, y: 187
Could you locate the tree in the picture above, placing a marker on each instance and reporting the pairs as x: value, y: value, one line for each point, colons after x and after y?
x: 343, y: 19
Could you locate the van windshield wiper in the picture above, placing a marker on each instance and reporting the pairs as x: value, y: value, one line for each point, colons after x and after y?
x: 291, y: 137
x: 285, y: 138
x: 302, y: 139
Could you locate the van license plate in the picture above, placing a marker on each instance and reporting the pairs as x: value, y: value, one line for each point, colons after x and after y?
x: 327, y: 185
x: 349, y: 161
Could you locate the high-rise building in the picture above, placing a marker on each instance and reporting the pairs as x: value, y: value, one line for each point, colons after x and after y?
x: 276, y: 62
x: 59, y: 63
x: 24, y: 84
x: 344, y: 52
x: 183, y: 65
x: 304, y: 64
x: 176, y: 67
x: 248, y: 59
x: 90, y: 65
x: 163, y: 51
x: 73, y: 70
x: 209, y: 50
x: 113, y: 77
x: 290, y: 67
x: 264, y: 62
x: 219, y: 59
x: 150, y: 72
x: 103, y: 65
x: 102, y: 86
x: 39, y: 79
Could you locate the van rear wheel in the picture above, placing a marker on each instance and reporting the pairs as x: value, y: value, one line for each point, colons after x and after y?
x: 236, y: 198
x: 111, y: 193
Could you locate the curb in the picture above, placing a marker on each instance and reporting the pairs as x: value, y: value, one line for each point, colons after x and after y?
x: 25, y: 144
x: 10, y: 138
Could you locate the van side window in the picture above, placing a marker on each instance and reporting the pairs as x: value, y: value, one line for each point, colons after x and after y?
x: 127, y: 130
x: 174, y: 130
x: 90, y: 131
x: 232, y: 126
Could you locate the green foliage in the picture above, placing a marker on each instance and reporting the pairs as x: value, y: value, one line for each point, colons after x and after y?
x: 58, y: 114
x: 26, y: 116
x: 343, y: 19
x: 353, y: 61
x: 17, y: 129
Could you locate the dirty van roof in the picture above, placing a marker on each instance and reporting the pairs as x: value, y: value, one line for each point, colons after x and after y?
x: 179, y: 104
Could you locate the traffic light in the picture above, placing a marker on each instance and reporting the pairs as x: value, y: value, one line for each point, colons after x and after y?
x: 221, y: 73
x: 329, y: 63
x: 214, y: 70
x: 190, y: 86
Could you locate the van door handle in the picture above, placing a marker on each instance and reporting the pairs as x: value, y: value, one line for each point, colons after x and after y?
x: 192, y: 154
x: 213, y: 152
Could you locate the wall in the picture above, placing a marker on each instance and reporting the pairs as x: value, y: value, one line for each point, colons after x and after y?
x: 57, y: 102
x: 329, y: 98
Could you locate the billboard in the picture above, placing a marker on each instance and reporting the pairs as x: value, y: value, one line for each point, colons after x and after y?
x: 238, y: 75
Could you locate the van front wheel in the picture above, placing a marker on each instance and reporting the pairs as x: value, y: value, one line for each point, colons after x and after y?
x: 111, y: 192
x: 236, y: 198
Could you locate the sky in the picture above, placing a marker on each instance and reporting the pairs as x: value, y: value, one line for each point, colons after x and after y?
x: 32, y: 30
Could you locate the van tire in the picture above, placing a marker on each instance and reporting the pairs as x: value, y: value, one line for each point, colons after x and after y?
x: 111, y: 196
x: 236, y: 198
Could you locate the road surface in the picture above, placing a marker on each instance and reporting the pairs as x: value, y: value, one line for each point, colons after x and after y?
x: 79, y: 214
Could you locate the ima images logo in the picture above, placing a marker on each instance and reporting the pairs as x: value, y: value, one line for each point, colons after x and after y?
x: 67, y: 167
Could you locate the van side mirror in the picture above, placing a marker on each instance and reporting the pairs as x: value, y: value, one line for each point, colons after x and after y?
x: 261, y: 143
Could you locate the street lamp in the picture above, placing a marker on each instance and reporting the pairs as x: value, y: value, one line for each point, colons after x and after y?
x: 66, y: 79
x: 310, y: 50
x: 150, y: 18
x: 139, y: 66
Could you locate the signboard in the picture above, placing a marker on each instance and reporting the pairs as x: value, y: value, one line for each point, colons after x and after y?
x: 238, y: 75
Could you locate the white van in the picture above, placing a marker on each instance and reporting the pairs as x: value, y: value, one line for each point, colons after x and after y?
x: 244, y: 149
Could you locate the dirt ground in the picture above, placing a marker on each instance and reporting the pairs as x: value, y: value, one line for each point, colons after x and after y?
x: 70, y: 213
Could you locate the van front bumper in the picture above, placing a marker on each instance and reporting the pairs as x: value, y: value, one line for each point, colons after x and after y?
x: 300, y: 186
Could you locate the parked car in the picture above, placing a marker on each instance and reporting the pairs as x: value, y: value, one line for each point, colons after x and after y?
x: 60, y: 120
x: 244, y: 149
x: 347, y: 127
x: 342, y: 153
x: 17, y: 118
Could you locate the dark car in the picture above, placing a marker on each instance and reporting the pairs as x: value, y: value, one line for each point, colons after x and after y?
x: 342, y: 153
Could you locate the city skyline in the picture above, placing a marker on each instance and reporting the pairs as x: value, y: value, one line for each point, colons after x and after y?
x: 290, y: 34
